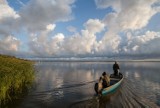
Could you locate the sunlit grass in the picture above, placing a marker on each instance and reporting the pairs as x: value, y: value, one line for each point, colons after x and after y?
x: 15, y: 75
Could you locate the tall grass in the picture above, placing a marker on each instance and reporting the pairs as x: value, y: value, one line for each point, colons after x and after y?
x: 15, y: 75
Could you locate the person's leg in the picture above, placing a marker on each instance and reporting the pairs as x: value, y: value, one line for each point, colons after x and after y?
x: 115, y: 72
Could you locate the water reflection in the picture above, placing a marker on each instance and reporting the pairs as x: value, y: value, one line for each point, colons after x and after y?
x: 71, y: 83
x: 137, y: 76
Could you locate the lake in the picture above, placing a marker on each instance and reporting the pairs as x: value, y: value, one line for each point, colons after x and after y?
x: 70, y: 85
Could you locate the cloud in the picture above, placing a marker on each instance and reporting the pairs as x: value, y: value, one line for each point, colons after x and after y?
x: 84, y: 42
x: 9, y: 45
x: 38, y: 13
x: 79, y: 44
x: 94, y: 25
x: 109, y: 44
x: 50, y: 27
x: 37, y: 17
x: 124, y: 30
x: 8, y: 19
x: 71, y: 29
x: 129, y: 14
x: 108, y: 3
x: 143, y: 44
x: 6, y: 11
x: 60, y: 45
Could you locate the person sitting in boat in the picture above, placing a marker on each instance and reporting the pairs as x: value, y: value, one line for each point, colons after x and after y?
x: 116, y: 68
x: 106, y: 80
x: 98, y: 86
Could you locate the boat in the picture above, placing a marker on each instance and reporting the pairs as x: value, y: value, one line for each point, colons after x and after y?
x: 115, y: 82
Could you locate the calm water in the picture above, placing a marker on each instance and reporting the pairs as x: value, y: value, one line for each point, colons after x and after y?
x: 70, y: 85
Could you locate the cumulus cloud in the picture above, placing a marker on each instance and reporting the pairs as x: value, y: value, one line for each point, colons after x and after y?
x: 42, y: 45
x: 123, y: 29
x: 39, y: 13
x: 6, y: 11
x: 37, y: 17
x: 129, y: 14
x: 109, y: 44
x: 77, y: 44
x: 50, y: 27
x: 8, y: 19
x: 9, y: 45
x: 143, y: 44
x: 85, y: 41
x: 94, y: 25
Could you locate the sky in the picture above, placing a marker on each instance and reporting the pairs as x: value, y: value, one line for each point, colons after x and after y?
x: 80, y: 28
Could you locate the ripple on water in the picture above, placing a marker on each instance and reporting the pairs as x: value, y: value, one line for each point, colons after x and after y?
x: 125, y: 97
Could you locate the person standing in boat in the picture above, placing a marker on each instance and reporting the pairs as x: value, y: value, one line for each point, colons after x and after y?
x: 106, y: 80
x: 116, y: 68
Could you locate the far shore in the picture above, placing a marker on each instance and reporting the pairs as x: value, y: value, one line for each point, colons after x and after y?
x: 89, y: 60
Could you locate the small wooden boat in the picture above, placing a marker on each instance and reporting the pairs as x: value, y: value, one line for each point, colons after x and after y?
x: 115, y: 82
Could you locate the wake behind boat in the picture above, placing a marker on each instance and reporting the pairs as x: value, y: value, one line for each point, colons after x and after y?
x: 115, y: 82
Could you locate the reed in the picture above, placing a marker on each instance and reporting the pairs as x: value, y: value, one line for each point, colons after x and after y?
x: 15, y: 75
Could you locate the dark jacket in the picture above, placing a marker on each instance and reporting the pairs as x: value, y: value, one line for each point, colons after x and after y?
x: 115, y: 67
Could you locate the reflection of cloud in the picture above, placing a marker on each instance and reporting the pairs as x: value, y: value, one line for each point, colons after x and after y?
x: 48, y: 78
x: 152, y: 85
x: 126, y: 74
x: 62, y: 74
x: 151, y: 89
x: 92, y: 70
x: 59, y: 82
x: 137, y: 75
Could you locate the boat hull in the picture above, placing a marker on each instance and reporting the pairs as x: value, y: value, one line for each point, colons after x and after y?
x: 115, y: 82
x: 113, y: 87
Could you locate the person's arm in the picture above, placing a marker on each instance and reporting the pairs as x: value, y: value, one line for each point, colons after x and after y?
x: 118, y: 66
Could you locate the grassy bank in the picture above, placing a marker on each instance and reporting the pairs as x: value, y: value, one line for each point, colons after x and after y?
x: 15, y: 75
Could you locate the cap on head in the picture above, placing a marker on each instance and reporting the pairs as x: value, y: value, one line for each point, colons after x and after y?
x: 100, y: 78
x: 104, y: 73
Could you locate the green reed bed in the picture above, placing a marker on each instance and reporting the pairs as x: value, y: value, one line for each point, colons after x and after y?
x: 15, y: 76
